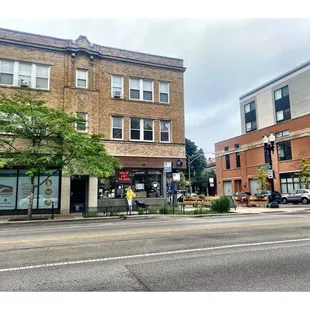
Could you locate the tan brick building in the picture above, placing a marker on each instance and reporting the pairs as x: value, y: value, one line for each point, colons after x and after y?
x: 136, y: 100
x: 282, y: 107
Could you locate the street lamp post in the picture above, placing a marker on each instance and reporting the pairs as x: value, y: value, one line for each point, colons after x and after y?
x: 269, y: 147
x: 189, y: 168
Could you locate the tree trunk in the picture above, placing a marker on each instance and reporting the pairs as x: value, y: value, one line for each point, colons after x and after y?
x: 31, y: 198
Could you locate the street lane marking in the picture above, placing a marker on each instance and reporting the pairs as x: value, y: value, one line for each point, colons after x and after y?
x: 105, y: 259
x: 141, y: 232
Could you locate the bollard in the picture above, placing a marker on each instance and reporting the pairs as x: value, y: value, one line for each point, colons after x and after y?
x: 52, y: 210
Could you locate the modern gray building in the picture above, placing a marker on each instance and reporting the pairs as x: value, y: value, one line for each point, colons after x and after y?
x: 284, y: 97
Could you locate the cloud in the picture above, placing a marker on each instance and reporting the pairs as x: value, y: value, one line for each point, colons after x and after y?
x: 225, y: 58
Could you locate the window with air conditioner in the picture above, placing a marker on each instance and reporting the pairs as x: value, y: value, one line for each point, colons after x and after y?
x: 23, y: 74
x: 117, y: 86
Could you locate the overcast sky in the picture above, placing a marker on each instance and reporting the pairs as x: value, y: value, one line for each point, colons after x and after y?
x: 224, y: 58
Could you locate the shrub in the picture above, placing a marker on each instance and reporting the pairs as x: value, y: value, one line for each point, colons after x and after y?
x: 91, y: 214
x: 153, y: 210
x: 221, y: 205
x: 140, y: 211
x: 165, y: 210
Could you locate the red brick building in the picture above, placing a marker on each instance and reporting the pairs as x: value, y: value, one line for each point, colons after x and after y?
x: 281, y: 107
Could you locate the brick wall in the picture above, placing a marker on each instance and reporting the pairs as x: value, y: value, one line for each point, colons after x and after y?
x: 252, y: 153
x: 96, y: 100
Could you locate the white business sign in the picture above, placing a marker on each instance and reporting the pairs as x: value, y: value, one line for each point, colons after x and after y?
x: 176, y: 177
x: 270, y: 174
x: 167, y: 166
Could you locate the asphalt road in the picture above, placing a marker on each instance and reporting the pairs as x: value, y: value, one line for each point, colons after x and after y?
x: 229, y: 253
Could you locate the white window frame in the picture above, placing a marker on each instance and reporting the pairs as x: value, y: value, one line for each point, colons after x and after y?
x: 279, y: 112
x: 7, y: 72
x: 141, y: 129
x: 76, y: 78
x: 33, y: 76
x: 164, y: 82
x: 169, y: 132
x: 86, y: 121
x: 122, y: 90
x: 141, y: 89
x: 122, y: 138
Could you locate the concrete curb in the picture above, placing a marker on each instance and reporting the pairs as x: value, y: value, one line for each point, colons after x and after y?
x: 141, y: 217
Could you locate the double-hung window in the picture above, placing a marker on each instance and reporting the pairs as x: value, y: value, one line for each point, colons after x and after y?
x: 165, y: 131
x: 140, y: 89
x: 24, y: 74
x: 250, y: 116
x: 82, y: 78
x: 117, y: 86
x: 284, y: 150
x: 163, y: 92
x: 82, y: 123
x: 117, y: 127
x: 141, y: 129
x: 6, y: 72
x: 282, y: 104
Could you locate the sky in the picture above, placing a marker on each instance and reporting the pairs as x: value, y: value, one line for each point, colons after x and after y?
x: 225, y: 58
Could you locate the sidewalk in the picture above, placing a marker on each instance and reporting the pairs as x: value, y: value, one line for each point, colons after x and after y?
x: 257, y: 210
x: 79, y: 217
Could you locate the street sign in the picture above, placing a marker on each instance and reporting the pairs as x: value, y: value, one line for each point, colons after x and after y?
x: 211, y: 180
x: 211, y: 184
x: 167, y: 166
x: 270, y: 174
x: 176, y: 177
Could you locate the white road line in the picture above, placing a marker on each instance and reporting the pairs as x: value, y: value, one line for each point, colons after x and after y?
x: 152, y: 254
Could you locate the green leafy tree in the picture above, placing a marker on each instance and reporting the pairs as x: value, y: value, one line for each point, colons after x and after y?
x: 304, y: 166
x: 197, y: 166
x: 39, y: 138
x: 261, y: 177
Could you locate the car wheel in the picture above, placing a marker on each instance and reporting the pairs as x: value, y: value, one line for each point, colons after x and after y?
x: 284, y: 201
x: 304, y: 201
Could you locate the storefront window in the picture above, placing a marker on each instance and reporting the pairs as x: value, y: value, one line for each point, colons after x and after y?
x: 146, y: 183
x: 15, y: 188
x: 290, y: 182
x: 8, y: 188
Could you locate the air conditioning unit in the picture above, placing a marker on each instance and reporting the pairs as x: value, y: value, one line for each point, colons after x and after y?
x: 24, y: 83
x: 117, y: 94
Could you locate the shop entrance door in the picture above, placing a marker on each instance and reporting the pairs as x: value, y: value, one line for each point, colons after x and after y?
x: 78, y: 194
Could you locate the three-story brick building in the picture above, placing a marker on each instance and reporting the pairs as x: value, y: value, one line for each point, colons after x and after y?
x: 136, y: 100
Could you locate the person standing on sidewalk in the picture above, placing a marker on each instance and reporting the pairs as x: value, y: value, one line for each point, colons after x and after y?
x: 129, y: 196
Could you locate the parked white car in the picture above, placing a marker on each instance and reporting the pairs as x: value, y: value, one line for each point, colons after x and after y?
x: 44, y: 203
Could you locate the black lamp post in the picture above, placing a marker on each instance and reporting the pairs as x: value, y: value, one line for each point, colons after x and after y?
x: 269, y: 147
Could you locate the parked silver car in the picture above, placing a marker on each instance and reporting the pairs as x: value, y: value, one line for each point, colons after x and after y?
x: 297, y: 196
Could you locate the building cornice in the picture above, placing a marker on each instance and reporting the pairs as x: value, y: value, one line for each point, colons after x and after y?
x: 82, y: 45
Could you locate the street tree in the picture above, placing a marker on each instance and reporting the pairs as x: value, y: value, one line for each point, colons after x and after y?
x: 261, y: 177
x: 198, y: 165
x: 40, y: 139
x: 304, y: 167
